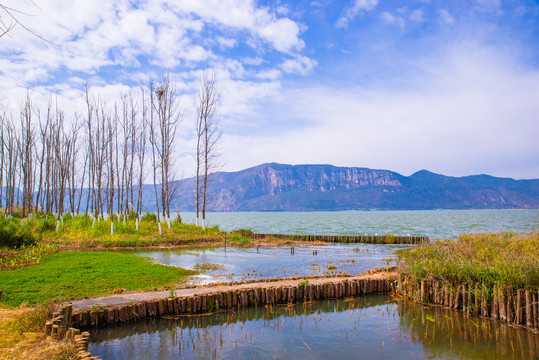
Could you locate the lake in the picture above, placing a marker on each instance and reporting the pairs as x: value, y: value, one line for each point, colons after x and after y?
x: 437, y: 224
x: 270, y: 262
x: 368, y: 327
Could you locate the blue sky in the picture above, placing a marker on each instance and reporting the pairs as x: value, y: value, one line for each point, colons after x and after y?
x: 449, y: 86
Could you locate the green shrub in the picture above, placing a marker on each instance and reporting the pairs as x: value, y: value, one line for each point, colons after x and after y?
x: 15, y: 236
x: 148, y: 216
x: 243, y: 232
x: 46, y: 224
x: 178, y: 219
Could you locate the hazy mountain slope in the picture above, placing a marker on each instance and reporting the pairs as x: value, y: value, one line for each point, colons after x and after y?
x: 277, y: 187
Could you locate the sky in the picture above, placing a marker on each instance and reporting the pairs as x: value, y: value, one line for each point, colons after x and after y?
x: 448, y: 86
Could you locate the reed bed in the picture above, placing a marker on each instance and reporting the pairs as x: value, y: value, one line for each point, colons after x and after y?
x: 503, y: 259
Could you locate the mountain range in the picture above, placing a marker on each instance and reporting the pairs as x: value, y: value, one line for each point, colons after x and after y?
x: 280, y: 187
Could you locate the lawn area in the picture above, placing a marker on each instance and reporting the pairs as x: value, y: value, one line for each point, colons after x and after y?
x: 69, y: 275
x: 503, y: 259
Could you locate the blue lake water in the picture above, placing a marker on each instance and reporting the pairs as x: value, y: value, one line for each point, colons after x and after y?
x: 437, y: 224
x: 368, y: 327
x: 270, y: 262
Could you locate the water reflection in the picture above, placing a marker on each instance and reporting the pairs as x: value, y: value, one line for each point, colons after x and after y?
x: 368, y: 327
x: 270, y: 262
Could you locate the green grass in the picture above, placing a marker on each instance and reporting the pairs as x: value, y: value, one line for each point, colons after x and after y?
x: 81, y: 231
x: 24, y: 256
x: 75, y: 275
x: 503, y: 259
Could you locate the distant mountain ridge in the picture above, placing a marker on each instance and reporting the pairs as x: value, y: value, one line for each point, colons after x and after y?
x: 280, y: 187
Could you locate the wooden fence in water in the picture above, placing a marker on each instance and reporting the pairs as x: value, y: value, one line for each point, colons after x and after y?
x: 515, y: 306
x: 348, y: 239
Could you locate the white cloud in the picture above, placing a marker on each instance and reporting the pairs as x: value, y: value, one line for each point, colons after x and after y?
x: 446, y: 16
x: 226, y: 43
x: 352, y: 12
x: 417, y: 16
x: 281, y: 33
x: 469, y: 111
x: 393, y: 19
x: 301, y: 65
x: 90, y: 36
x: 272, y: 74
x: 490, y: 6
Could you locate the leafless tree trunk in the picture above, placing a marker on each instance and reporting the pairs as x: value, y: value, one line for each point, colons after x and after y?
x: 168, y: 118
x: 2, y: 153
x: 72, y: 183
x: 11, y: 153
x: 141, y: 148
x: 155, y: 146
x: 26, y: 150
x: 208, y: 137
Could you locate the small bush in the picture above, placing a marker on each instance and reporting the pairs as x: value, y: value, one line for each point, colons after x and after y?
x: 46, y: 224
x: 243, y: 232
x: 15, y: 236
x: 148, y: 216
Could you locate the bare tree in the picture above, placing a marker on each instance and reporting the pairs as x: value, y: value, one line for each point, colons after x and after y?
x: 26, y: 150
x: 208, y: 137
x: 163, y: 139
x: 141, y: 147
x: 155, y: 145
x: 7, y: 25
x: 71, y: 178
x: 11, y: 153
x: 11, y: 15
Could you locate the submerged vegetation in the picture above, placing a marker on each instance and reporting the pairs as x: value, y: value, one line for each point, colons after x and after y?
x: 504, y: 259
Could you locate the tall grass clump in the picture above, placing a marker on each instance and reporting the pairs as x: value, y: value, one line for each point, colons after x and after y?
x: 13, y: 235
x: 504, y: 259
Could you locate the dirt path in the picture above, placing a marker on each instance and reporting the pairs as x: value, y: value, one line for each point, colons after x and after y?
x: 136, y: 297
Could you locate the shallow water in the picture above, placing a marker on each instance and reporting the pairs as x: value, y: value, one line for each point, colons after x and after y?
x: 270, y: 262
x: 437, y: 224
x: 369, y: 327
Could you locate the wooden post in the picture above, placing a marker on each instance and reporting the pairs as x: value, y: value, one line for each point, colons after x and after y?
x: 502, y: 306
x: 494, y: 312
x: 510, y: 307
x: 536, y: 309
x: 436, y: 292
x: 470, y: 300
x: 520, y: 307
x: 458, y: 295
x: 529, y: 309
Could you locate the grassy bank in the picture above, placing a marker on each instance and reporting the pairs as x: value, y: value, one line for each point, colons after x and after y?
x: 84, y: 231
x: 69, y: 275
x: 22, y: 337
x: 503, y: 259
x: 24, y: 243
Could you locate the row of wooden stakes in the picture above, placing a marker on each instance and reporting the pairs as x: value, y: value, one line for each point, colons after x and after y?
x: 59, y: 328
x: 349, y: 239
x: 242, y: 297
x: 514, y: 306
